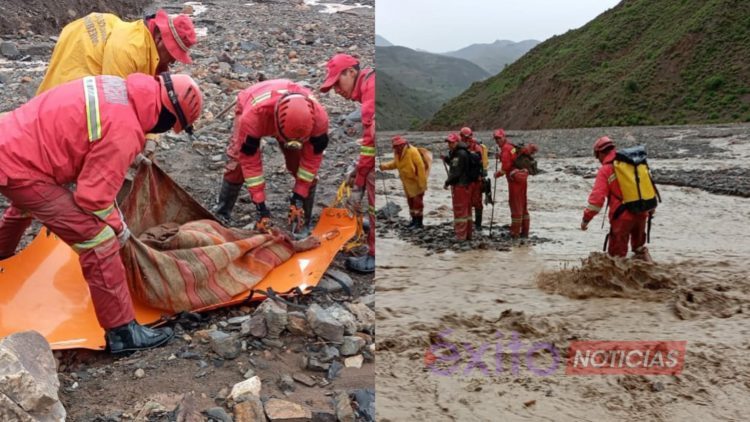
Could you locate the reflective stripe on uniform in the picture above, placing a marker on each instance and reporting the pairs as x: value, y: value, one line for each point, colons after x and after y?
x: 594, y: 208
x: 103, y: 214
x: 254, y: 181
x: 266, y: 95
x: 305, y: 175
x: 611, y: 178
x: 462, y: 219
x: 93, y: 118
x: 106, y: 234
x: 371, y: 210
x: 367, y: 151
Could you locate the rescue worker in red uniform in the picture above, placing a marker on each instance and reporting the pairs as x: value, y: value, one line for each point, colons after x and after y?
x: 288, y: 112
x: 517, y: 186
x: 626, y: 227
x: 477, y: 187
x: 87, y: 132
x: 353, y: 83
x: 460, y: 184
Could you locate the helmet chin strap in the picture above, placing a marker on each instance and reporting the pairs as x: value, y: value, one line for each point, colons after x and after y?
x: 176, y: 103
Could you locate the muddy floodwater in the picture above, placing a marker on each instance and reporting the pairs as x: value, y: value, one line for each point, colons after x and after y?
x: 563, y: 289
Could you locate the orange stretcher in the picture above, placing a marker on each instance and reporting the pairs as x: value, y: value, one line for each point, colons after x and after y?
x: 42, y: 287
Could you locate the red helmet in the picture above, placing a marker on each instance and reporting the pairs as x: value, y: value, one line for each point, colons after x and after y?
x: 183, y: 98
x: 466, y: 132
x: 398, y: 141
x: 602, y: 144
x: 452, y: 138
x: 498, y: 133
x: 294, y: 119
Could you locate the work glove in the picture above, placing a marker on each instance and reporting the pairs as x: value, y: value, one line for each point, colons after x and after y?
x: 584, y: 225
x: 488, y: 199
x: 351, y: 178
x: 141, y: 159
x: 124, y: 235
x: 445, y: 185
x: 499, y: 173
x: 264, y: 217
x: 296, y: 212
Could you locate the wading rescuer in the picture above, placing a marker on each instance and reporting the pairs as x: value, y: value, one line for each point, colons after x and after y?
x: 625, y: 225
x: 288, y: 112
x: 413, y: 173
x: 348, y: 80
x: 520, y: 220
x: 460, y: 177
x: 479, y: 186
x: 88, y: 132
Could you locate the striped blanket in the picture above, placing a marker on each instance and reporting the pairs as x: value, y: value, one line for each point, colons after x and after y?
x: 182, y: 259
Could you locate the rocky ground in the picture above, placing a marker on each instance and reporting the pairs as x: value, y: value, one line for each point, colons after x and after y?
x: 239, y: 43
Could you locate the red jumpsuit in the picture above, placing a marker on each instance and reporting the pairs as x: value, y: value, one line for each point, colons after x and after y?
x: 517, y: 186
x: 364, y: 92
x: 85, y: 132
x: 475, y: 188
x: 627, y: 226
x: 254, y: 118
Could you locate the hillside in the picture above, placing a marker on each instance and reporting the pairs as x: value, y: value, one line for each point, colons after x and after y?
x: 382, y: 42
x: 412, y: 85
x: 495, y: 56
x: 632, y: 65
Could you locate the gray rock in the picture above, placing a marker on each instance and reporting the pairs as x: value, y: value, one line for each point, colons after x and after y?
x: 352, y: 345
x: 274, y: 315
x: 324, y: 324
x: 333, y: 279
x: 238, y: 320
x: 328, y: 353
x: 345, y: 318
x: 28, y: 379
x: 249, y: 410
x: 9, y: 49
x: 344, y: 411
x: 368, y: 300
x: 285, y: 383
x: 219, y: 414
x: 225, y: 345
x: 334, y: 370
x: 315, y: 364
x: 364, y: 316
x: 304, y: 379
x: 256, y: 327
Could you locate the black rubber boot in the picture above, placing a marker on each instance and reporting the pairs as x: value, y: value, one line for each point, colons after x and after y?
x: 412, y: 223
x: 478, y: 220
x: 361, y: 264
x: 133, y: 336
x: 419, y: 224
x: 227, y: 198
x: 307, y: 206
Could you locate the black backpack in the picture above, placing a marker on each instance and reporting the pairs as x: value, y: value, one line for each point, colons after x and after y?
x: 474, y: 172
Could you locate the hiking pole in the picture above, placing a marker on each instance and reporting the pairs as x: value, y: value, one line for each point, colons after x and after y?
x: 494, y: 196
x: 385, y: 192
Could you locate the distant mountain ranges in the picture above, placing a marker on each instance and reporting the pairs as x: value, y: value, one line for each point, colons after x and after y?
x: 413, y: 85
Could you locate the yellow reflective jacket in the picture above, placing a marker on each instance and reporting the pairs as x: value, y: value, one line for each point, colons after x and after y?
x: 411, y: 169
x: 101, y: 44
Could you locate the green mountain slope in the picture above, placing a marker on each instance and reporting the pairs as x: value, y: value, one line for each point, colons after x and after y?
x: 642, y: 62
x: 494, y: 57
x: 412, y: 85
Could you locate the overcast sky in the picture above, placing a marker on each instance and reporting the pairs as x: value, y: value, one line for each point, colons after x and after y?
x: 445, y: 25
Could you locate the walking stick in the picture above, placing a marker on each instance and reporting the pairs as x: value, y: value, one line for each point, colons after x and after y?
x: 494, y: 196
x: 448, y: 173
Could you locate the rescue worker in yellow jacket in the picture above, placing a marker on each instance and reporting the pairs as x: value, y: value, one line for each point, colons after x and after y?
x: 413, y: 171
x: 103, y: 44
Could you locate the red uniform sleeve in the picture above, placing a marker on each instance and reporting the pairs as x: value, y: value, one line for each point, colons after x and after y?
x: 252, y: 164
x: 508, y: 155
x: 366, y: 161
x: 103, y: 173
x: 599, y: 192
x: 310, y: 161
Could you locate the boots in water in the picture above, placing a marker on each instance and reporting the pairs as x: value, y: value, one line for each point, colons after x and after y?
x: 227, y: 198
x: 478, y: 220
x: 413, y: 223
x: 418, y: 223
x: 361, y: 264
x: 643, y: 254
x: 133, y: 336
